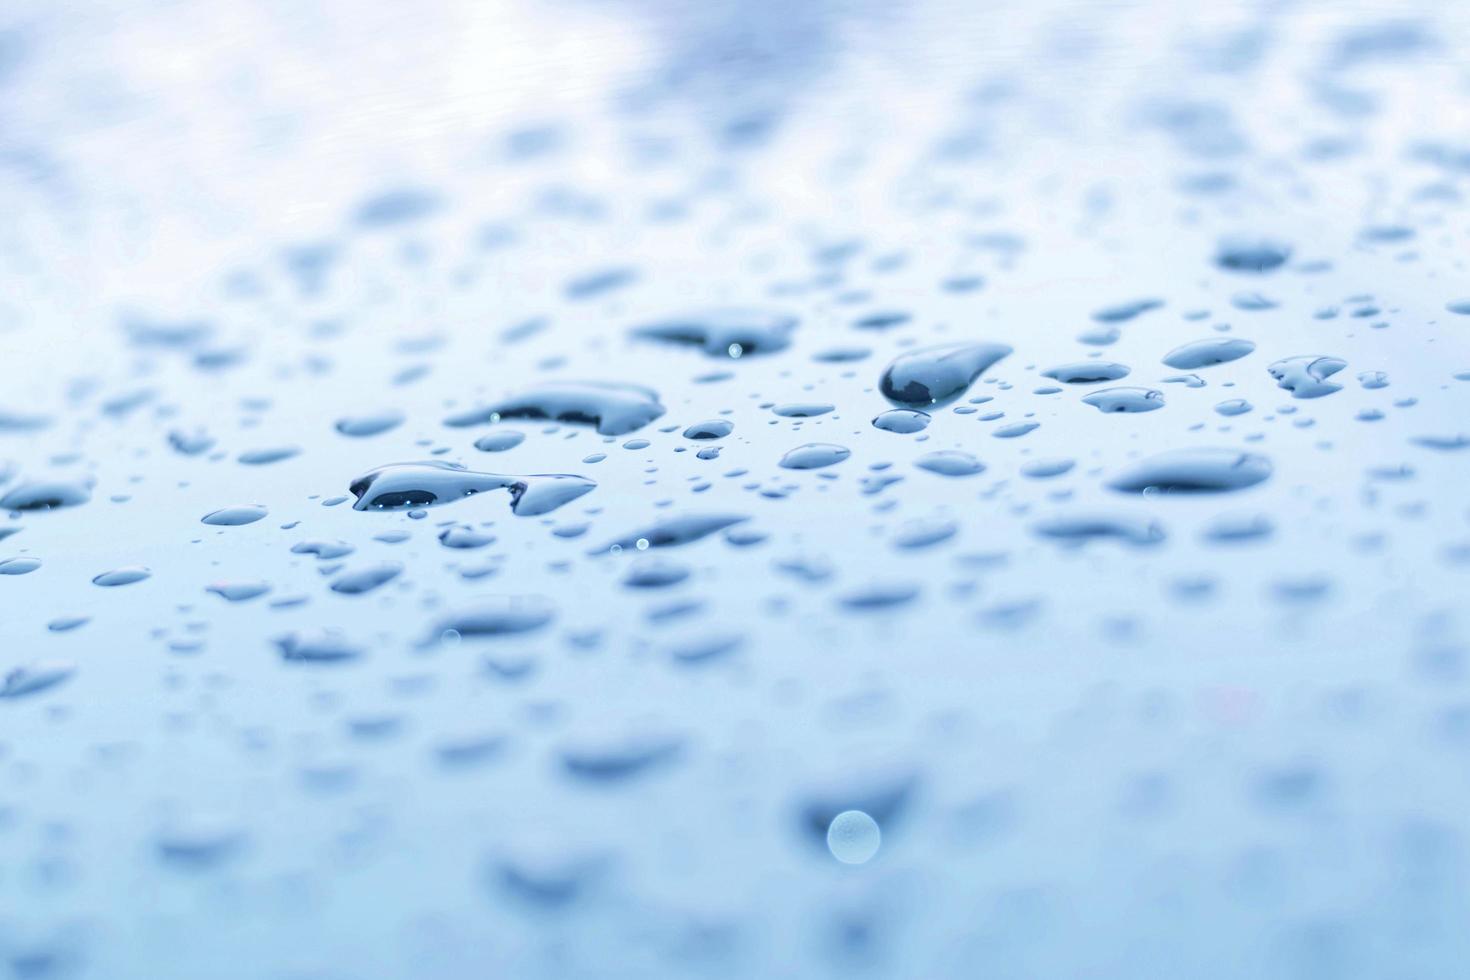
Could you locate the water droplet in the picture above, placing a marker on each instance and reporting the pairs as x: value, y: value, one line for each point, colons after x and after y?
x: 814, y: 455
x: 19, y: 566
x: 725, y: 332
x: 434, y: 483
x: 49, y: 495
x: 901, y: 420
x: 235, y: 516
x: 122, y: 576
x: 1126, y: 399
x: 937, y: 375
x: 362, y: 426
x: 1208, y: 352
x: 615, y: 409
x: 33, y: 678
x: 1306, y: 376
x: 950, y: 462
x: 1253, y: 255
x: 499, y: 441
x: 359, y: 581
x: 1194, y: 471
x: 1087, y: 372
x: 853, y: 837
x: 712, y: 429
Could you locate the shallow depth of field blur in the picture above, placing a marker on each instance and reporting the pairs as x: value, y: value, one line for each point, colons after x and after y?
x: 655, y: 488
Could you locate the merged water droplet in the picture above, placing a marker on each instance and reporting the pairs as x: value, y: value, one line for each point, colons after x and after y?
x: 950, y: 462
x: 1306, y: 376
x: 46, y: 495
x: 434, y: 483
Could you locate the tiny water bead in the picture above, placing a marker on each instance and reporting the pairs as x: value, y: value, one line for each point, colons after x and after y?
x: 853, y: 837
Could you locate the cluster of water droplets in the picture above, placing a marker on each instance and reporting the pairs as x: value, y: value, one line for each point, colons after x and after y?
x: 762, y: 580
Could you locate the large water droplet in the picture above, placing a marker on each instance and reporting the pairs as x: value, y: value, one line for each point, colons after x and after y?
x: 937, y: 375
